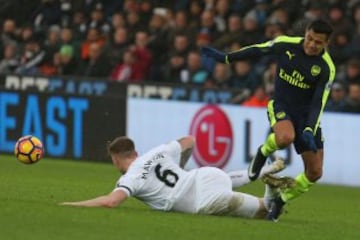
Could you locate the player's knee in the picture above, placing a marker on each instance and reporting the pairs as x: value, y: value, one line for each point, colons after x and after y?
x: 314, y: 175
x: 285, y: 139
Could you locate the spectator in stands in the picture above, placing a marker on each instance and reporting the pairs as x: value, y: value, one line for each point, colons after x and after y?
x: 96, y: 64
x: 67, y: 38
x: 79, y: 25
x: 340, y: 47
x: 273, y: 30
x: 88, y: 5
x: 129, y: 70
x: 220, y: 78
x: 52, y: 43
x: 201, y: 39
x: 143, y: 54
x: 48, y: 13
x: 10, y: 59
x: 8, y: 34
x: 336, y: 16
x: 146, y: 11
x: 261, y: 11
x: 26, y: 33
x: 352, y: 104
x: 220, y: 23
x: 355, y: 41
x: 355, y: 14
x: 157, y: 41
x: 180, y: 45
x: 117, y: 21
x: 181, y: 26
x: 258, y: 99
x: 293, y: 8
x: 31, y: 58
x: 252, y: 31
x: 208, y: 25
x: 133, y: 24
x: 176, y: 58
x: 232, y: 33
x: 314, y: 10
x: 130, y: 5
x: 279, y: 17
x: 336, y: 102
x: 196, y: 7
x: 352, y: 71
x: 194, y: 72
x: 222, y: 12
x: 67, y: 61
x: 172, y: 69
x: 116, y: 46
x: 93, y: 36
x: 97, y: 20
x: 243, y: 76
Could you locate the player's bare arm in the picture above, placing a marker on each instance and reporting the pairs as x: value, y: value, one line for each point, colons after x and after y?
x: 111, y: 200
x: 187, y: 146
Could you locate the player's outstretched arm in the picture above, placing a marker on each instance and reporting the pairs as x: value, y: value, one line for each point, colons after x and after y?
x: 111, y: 200
x: 246, y: 52
x: 214, y: 53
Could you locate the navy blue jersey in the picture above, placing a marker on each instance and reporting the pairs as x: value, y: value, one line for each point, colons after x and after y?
x: 302, y: 82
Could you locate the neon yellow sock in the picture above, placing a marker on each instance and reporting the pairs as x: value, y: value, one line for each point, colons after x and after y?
x: 302, y: 185
x: 269, y: 146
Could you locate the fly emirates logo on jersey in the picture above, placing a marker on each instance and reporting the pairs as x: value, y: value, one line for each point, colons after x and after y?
x: 295, y: 78
x: 214, y: 137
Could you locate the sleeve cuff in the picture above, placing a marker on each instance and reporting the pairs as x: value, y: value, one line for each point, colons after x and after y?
x: 227, y: 59
x: 308, y: 129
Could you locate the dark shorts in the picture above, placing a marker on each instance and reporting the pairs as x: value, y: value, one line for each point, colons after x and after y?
x: 277, y: 112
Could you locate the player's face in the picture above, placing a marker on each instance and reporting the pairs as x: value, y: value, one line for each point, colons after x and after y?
x: 314, y: 43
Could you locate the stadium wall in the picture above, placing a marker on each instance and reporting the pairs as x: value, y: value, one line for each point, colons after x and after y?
x: 75, y: 117
x: 70, y: 126
x: 228, y: 135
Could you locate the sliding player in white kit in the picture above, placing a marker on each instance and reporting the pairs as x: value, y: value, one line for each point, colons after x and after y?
x: 158, y: 181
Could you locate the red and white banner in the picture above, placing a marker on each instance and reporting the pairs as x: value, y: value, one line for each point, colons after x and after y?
x: 227, y: 136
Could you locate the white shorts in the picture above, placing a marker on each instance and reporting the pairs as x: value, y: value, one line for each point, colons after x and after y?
x: 213, y: 191
x: 208, y: 191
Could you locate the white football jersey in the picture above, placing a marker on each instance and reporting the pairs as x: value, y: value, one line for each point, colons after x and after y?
x: 156, y: 179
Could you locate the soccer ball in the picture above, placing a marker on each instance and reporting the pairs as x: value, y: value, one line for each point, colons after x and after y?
x: 29, y: 149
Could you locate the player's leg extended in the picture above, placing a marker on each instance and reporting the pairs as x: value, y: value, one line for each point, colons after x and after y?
x: 273, y: 186
x: 247, y: 206
x: 240, y: 178
x: 313, y: 163
x: 282, y: 136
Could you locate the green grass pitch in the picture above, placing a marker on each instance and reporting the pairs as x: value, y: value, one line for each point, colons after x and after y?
x: 29, y: 195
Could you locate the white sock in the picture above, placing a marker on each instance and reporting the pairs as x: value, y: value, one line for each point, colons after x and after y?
x: 241, y: 177
x: 244, y: 205
x: 269, y: 195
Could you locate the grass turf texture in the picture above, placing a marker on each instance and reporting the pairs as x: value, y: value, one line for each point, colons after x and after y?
x: 29, y: 195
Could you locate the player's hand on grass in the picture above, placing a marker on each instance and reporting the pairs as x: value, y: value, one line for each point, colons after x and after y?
x: 213, y: 53
x: 66, y: 204
x: 309, y: 139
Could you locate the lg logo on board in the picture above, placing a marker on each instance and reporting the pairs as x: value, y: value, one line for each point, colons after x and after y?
x: 214, y: 137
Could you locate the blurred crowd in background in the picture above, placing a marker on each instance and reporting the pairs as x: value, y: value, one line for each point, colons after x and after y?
x: 160, y: 41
